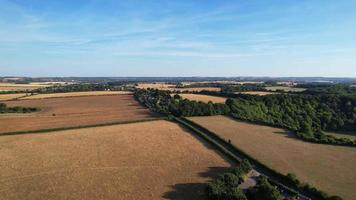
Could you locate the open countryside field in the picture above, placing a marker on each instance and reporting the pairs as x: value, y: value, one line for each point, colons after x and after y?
x: 259, y: 93
x: 285, y: 88
x: 20, y: 87
x: 330, y: 168
x: 147, y: 160
x: 203, y: 98
x: 6, y: 97
x: 73, y: 111
x: 76, y: 94
x: 170, y: 87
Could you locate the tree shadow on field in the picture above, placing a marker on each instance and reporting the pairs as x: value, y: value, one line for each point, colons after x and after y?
x: 288, y: 134
x: 194, y: 191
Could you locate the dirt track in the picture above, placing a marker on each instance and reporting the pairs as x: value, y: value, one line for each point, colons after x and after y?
x: 329, y: 168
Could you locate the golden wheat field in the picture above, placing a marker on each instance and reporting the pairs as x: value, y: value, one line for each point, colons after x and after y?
x: 6, y: 97
x: 329, y: 168
x: 203, y: 98
x: 147, y: 160
x: 73, y: 111
x: 75, y: 94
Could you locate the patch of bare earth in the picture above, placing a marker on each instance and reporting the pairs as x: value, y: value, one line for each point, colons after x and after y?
x: 329, y: 168
x: 73, y: 111
x: 147, y: 160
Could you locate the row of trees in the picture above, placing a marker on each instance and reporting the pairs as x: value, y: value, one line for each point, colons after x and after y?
x: 16, y: 109
x: 323, y: 88
x: 162, y: 102
x: 308, y: 115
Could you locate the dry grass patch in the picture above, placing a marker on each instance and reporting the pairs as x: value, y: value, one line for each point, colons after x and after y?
x: 20, y: 87
x: 73, y: 111
x: 203, y: 98
x: 149, y: 160
x: 76, y: 94
x: 6, y: 97
x: 330, y: 168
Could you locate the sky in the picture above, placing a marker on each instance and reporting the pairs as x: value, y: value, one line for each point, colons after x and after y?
x: 178, y: 38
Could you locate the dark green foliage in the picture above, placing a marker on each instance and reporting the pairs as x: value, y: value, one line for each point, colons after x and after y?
x: 308, y: 115
x: 242, y: 88
x: 162, y: 102
x: 16, y: 109
x: 328, y: 88
x: 243, y: 168
x: 225, y: 187
x: 263, y: 190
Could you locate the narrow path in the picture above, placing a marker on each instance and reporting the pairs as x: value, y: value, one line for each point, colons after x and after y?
x: 227, y: 149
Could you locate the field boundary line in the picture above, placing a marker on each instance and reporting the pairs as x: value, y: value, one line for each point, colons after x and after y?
x: 237, y: 155
x: 39, y: 131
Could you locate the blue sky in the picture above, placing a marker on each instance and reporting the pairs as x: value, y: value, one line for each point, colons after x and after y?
x: 178, y: 38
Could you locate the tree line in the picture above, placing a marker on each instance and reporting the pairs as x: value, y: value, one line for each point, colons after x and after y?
x: 307, y: 115
x: 163, y: 102
x: 16, y: 109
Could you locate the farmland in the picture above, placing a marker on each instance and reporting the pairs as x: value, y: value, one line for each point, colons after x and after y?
x: 147, y: 160
x: 73, y: 111
x: 259, y: 93
x: 285, y: 88
x: 21, y: 87
x: 5, y: 97
x: 171, y: 87
x: 75, y: 94
x: 203, y: 98
x: 328, y: 167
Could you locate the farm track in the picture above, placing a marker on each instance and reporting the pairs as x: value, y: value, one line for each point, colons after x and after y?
x: 237, y: 155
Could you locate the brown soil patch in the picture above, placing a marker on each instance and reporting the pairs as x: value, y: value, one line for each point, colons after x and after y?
x: 329, y: 168
x: 149, y: 160
x: 73, y: 111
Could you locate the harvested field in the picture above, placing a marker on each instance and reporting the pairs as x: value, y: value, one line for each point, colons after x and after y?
x: 20, y: 87
x: 195, y: 89
x: 76, y: 94
x: 157, y: 85
x: 259, y: 93
x: 73, y: 111
x: 148, y: 160
x: 329, y: 168
x: 203, y: 98
x: 170, y: 87
x: 6, y: 97
x: 285, y: 88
